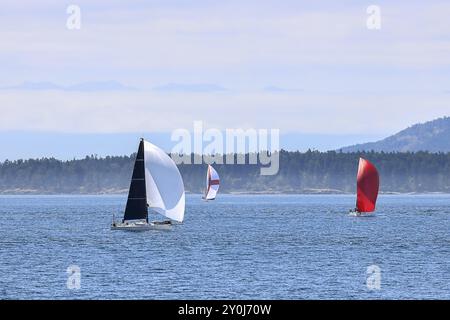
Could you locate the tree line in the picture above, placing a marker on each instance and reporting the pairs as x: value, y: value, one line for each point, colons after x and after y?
x: 299, y: 172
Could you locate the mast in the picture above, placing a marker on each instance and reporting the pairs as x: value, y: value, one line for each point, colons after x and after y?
x: 137, y: 208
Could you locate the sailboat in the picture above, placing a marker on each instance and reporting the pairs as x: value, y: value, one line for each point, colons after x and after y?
x: 212, y: 184
x: 156, y: 185
x: 368, y: 183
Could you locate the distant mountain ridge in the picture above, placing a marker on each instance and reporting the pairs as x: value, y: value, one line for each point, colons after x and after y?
x: 431, y: 136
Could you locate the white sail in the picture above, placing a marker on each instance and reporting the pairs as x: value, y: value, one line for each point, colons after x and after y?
x: 212, y: 183
x: 163, y: 182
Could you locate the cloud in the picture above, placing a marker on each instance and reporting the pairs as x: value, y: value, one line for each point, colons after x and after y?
x: 353, y: 80
x: 276, y: 89
x: 99, y: 86
x: 44, y: 85
x: 198, y: 87
x: 92, y: 86
x: 106, y: 112
x: 227, y: 37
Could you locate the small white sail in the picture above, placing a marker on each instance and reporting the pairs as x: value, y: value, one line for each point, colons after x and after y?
x: 164, y: 185
x: 212, y: 183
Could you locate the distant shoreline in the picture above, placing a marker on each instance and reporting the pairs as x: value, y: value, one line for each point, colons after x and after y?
x: 236, y: 193
x: 299, y: 173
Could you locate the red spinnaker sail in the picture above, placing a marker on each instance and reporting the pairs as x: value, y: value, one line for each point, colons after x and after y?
x: 368, y: 182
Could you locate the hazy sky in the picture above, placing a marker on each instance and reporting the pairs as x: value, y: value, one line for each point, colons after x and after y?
x: 311, y: 69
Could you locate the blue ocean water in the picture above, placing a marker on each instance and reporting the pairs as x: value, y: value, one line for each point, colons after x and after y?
x: 236, y: 247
